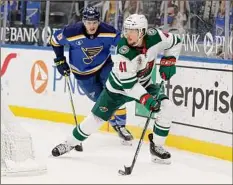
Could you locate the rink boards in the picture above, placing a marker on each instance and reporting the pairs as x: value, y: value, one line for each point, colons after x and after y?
x: 201, y: 92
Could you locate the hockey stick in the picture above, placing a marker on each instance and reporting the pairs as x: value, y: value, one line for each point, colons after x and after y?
x: 73, y: 109
x: 71, y: 99
x: 128, y: 170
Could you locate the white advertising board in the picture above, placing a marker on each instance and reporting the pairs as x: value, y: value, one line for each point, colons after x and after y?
x: 202, y: 95
x: 201, y: 92
x: 32, y: 80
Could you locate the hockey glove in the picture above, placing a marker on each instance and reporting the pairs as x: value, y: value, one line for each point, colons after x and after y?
x: 150, y: 103
x: 167, y: 67
x: 62, y: 66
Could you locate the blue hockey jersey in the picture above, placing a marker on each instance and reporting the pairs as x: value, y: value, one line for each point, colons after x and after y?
x: 87, y: 54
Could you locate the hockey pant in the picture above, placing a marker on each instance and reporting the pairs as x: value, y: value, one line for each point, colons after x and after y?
x: 93, y: 85
x: 109, y: 102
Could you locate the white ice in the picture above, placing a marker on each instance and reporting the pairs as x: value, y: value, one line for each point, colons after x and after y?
x: 103, y: 156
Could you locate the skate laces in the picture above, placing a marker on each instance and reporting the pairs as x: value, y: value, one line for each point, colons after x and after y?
x: 124, y: 131
x: 63, y: 148
x: 160, y: 149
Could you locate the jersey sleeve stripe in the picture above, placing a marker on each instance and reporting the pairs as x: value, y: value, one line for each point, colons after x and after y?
x: 126, y: 79
x: 130, y: 84
x: 114, y: 84
x: 115, y: 78
x: 173, y: 43
x: 53, y: 42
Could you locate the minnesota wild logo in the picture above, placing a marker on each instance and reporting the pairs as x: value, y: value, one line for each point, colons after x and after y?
x: 91, y: 53
x: 124, y: 49
x: 103, y: 109
x: 151, y: 31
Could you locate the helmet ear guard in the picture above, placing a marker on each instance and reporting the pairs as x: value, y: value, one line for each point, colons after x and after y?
x: 143, y: 32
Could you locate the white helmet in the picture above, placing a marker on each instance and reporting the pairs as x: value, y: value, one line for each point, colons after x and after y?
x: 137, y: 22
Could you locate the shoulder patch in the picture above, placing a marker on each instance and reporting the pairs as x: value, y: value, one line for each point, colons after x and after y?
x: 123, y: 49
x: 151, y: 31
x: 59, y: 36
x: 113, y: 50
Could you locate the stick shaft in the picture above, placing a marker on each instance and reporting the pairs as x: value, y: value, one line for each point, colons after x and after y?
x: 143, y: 133
x: 71, y: 100
x: 140, y: 141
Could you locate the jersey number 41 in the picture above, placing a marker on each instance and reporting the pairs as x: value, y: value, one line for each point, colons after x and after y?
x: 122, y: 67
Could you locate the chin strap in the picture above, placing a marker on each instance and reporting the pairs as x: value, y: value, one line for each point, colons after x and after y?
x: 139, y: 38
x: 137, y: 43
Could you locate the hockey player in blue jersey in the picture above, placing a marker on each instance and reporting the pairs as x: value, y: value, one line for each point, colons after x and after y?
x: 90, y: 42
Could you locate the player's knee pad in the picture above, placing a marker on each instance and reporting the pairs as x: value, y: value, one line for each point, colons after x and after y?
x: 164, y: 116
x: 91, y: 124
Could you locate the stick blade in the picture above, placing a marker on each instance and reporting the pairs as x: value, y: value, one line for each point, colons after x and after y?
x: 127, y: 171
x: 121, y: 172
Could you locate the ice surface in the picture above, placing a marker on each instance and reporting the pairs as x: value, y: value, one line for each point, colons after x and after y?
x: 103, y: 156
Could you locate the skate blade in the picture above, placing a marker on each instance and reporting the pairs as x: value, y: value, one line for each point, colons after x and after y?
x: 126, y: 143
x: 155, y: 159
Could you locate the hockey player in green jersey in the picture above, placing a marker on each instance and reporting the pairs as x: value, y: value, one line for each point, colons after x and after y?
x: 130, y: 80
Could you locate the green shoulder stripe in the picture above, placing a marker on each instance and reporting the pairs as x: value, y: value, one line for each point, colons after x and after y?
x: 125, y: 50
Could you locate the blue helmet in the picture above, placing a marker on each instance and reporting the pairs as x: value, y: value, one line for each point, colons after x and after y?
x: 90, y: 13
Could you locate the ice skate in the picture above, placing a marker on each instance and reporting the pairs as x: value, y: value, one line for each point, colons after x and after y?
x: 62, y: 149
x: 158, y: 153
x: 124, y: 134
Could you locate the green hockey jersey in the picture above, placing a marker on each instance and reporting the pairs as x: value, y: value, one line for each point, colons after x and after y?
x: 133, y: 66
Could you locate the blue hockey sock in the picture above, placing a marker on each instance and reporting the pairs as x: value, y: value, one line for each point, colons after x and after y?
x: 112, y: 121
x: 119, y: 118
